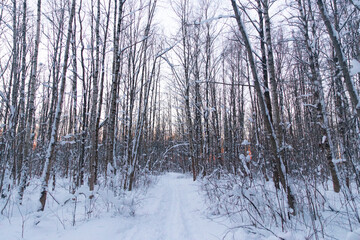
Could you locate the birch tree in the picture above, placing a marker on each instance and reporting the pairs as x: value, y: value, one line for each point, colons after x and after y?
x: 55, y: 124
x: 326, y: 142
x: 93, y: 114
x: 273, y: 138
x: 29, y: 131
x: 118, y: 17
x: 146, y: 81
x: 334, y: 37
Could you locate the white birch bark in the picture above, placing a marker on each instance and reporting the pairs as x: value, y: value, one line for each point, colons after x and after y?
x: 50, y: 154
x: 93, y: 118
x: 320, y: 103
x: 266, y: 115
x: 31, y: 105
x: 334, y: 36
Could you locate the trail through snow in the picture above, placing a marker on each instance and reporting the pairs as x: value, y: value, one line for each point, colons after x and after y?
x: 173, y: 209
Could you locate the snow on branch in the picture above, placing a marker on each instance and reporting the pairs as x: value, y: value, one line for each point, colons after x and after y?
x: 355, y: 67
x: 213, y: 19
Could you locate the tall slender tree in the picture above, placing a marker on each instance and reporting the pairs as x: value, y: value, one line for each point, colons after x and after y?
x: 50, y: 155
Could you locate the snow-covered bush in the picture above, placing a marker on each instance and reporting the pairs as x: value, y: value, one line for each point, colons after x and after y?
x: 66, y: 207
x: 256, y: 205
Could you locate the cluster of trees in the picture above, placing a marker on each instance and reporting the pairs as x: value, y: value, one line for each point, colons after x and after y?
x: 269, y: 95
x: 273, y: 95
x: 79, y: 92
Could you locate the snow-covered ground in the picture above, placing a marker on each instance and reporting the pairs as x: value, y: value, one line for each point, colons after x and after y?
x: 172, y: 209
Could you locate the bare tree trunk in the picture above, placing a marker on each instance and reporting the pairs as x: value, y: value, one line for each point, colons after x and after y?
x: 263, y: 57
x: 198, y: 104
x: 186, y: 65
x: 273, y: 82
x: 56, y: 59
x: 144, y: 90
x: 84, y: 129
x: 265, y: 112
x: 114, y: 86
x: 93, y: 118
x: 102, y: 87
x: 10, y: 141
x: 31, y: 104
x: 50, y: 154
x: 320, y: 103
x: 22, y: 110
x: 334, y: 36
x: 207, y: 101
x: 75, y: 118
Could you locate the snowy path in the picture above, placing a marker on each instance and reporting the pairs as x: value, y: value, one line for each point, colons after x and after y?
x: 172, y: 210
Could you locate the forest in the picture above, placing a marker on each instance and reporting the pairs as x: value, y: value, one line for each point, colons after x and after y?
x: 256, y: 100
